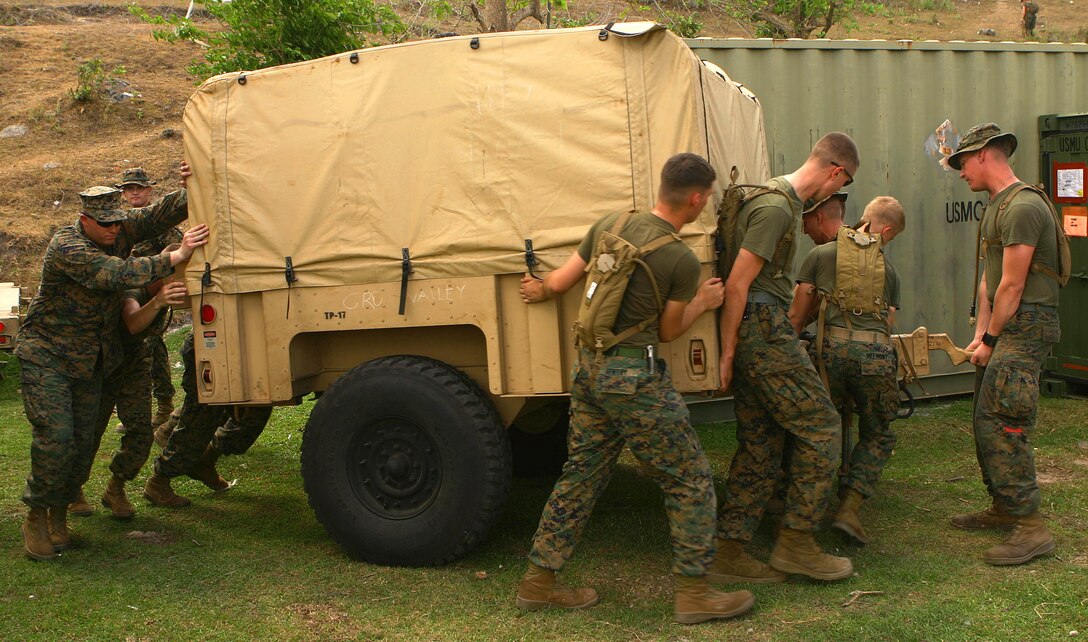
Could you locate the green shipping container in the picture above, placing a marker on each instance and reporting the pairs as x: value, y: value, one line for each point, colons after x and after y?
x: 1063, y: 164
x: 891, y: 97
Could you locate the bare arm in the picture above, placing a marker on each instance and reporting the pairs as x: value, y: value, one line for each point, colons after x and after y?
x: 1015, y: 262
x: 137, y: 318
x: 745, y: 269
x: 803, y: 305
x: 192, y: 239
x: 555, y: 282
x: 891, y: 317
x: 678, y: 316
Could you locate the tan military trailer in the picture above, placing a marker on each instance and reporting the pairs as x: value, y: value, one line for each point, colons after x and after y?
x: 10, y: 316
x: 372, y: 214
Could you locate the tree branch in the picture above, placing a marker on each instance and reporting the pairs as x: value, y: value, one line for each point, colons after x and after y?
x: 531, y: 11
x: 476, y: 14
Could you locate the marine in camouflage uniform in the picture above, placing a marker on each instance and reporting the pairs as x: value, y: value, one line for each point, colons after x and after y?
x: 70, y: 341
x: 136, y: 188
x: 1017, y: 327
x: 129, y: 390
x: 776, y: 389
x: 618, y: 399
x: 858, y: 359
x: 204, y: 432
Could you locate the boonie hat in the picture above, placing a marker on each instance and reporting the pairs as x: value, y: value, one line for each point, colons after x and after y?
x: 975, y: 139
x: 840, y: 195
x: 134, y: 176
x: 103, y: 204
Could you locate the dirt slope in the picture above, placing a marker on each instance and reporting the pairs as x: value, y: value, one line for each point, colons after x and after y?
x: 69, y: 146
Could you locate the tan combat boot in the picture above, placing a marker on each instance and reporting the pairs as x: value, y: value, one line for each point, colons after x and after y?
x: 158, y: 492
x: 36, y: 536
x: 538, y: 590
x: 1029, y: 539
x: 797, y: 552
x: 163, y: 407
x: 697, y: 602
x: 80, y: 507
x: 58, y: 529
x: 116, y: 500
x: 992, y: 517
x: 162, y: 432
x: 732, y: 564
x: 204, y: 471
x: 847, y: 520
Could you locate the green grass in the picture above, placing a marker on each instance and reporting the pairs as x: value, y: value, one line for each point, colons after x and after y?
x: 253, y: 563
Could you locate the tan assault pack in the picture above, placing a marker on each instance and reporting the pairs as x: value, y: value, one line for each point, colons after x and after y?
x: 734, y: 198
x: 1065, y: 258
x: 859, y: 284
x: 607, y: 275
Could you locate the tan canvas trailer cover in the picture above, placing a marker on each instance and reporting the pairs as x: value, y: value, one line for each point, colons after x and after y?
x: 458, y: 149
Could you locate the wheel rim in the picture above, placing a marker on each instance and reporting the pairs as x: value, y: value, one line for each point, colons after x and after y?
x: 394, y: 467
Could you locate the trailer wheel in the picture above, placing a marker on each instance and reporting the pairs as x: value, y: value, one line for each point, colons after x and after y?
x: 405, y: 462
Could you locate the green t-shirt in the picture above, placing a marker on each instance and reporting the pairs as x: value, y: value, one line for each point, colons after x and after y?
x: 818, y: 268
x: 1026, y: 221
x: 675, y: 269
x: 157, y: 327
x: 761, y: 224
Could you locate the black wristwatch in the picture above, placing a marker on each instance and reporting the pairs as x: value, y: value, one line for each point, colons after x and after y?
x: 989, y: 340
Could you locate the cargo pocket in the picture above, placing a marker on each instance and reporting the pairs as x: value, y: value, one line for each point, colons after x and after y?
x: 1052, y: 333
x: 1017, y: 393
x: 618, y: 381
x: 879, y: 362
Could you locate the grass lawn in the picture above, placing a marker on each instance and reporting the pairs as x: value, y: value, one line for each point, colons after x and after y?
x: 253, y: 563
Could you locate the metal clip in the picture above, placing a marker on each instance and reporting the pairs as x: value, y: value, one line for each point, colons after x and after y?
x: 651, y: 361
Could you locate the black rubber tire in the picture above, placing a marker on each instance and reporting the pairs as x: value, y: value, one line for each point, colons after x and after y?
x: 406, y: 462
x: 538, y: 441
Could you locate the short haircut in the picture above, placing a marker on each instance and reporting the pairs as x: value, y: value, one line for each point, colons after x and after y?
x: 1002, y: 145
x: 837, y: 148
x: 886, y: 211
x: 682, y: 174
x: 832, y: 205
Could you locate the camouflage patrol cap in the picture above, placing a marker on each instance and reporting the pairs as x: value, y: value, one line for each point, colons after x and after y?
x: 813, y: 205
x: 134, y: 176
x: 103, y: 204
x: 975, y: 139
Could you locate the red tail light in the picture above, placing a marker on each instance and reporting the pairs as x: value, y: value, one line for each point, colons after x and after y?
x: 207, y: 314
x: 2, y: 326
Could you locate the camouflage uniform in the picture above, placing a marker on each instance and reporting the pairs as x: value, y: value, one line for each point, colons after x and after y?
x: 860, y: 373
x: 776, y: 389
x: 162, y: 380
x: 1008, y: 398
x: 70, y: 340
x: 617, y: 402
x: 201, y: 424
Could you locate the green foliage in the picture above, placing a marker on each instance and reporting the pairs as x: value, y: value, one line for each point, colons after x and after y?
x: 264, y: 33
x: 685, y: 26
x: 933, y: 5
x: 90, y: 75
x: 799, y: 18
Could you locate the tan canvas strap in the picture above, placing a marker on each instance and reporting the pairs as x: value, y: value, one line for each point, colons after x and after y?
x: 863, y: 336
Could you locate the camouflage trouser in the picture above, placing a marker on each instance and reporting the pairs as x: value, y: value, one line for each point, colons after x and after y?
x: 1005, y: 410
x: 200, y: 424
x: 619, y: 402
x: 162, y: 384
x: 62, y: 413
x: 776, y: 391
x: 863, y: 375
x: 129, y: 389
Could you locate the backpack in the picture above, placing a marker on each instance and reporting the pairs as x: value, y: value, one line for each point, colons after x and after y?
x: 1065, y: 258
x: 734, y: 198
x: 609, y: 272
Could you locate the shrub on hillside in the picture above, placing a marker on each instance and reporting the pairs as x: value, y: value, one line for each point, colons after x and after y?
x: 264, y: 33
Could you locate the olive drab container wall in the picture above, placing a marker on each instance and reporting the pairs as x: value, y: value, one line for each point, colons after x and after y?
x: 1063, y: 165
x: 891, y: 97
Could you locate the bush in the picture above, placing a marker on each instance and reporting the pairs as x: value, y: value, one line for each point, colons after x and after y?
x: 265, y: 33
x: 91, y: 76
